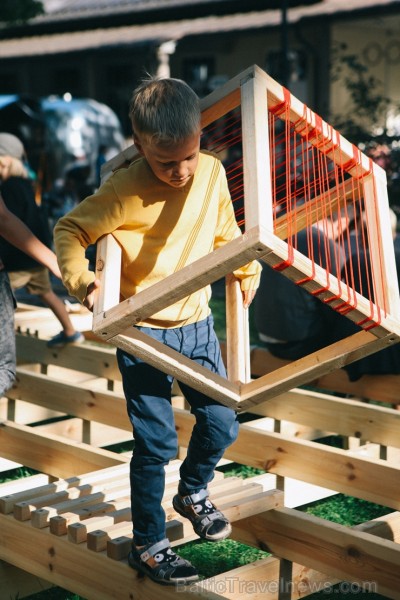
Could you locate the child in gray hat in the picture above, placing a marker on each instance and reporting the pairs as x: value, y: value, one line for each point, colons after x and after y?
x: 18, y: 195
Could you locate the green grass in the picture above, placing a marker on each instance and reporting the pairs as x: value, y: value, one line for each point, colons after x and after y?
x: 346, y: 510
x: 213, y: 558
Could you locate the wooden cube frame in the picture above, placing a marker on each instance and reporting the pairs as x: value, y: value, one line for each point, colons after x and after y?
x: 256, y: 93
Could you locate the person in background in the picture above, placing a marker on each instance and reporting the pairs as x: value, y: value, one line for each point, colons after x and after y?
x: 16, y: 233
x: 169, y: 208
x: 18, y: 195
x: 290, y: 321
x: 383, y: 362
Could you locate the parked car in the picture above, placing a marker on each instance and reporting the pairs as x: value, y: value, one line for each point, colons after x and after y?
x: 61, y: 133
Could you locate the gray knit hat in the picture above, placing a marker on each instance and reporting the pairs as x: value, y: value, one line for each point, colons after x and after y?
x: 10, y: 145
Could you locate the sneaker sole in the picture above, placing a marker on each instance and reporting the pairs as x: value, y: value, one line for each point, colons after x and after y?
x: 209, y: 538
x: 138, y: 566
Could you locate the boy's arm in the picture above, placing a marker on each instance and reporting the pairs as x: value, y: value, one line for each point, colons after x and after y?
x: 94, y: 217
x: 17, y: 233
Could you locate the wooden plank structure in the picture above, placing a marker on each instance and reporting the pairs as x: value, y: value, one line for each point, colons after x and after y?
x: 79, y: 523
x: 266, y: 237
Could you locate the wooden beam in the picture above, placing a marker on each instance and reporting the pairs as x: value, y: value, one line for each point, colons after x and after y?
x: 204, y: 271
x: 310, y: 367
x: 98, y: 360
x: 262, y: 577
x: 74, y: 399
x: 379, y: 427
x: 311, y: 462
x: 188, y: 371
x: 342, y: 416
x: 383, y: 388
x: 344, y: 553
x: 90, y: 574
x: 258, y: 199
x: 51, y: 454
x: 237, y: 332
x: 313, y: 279
x: 108, y: 272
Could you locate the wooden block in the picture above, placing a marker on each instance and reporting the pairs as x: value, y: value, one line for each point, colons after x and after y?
x: 60, y: 523
x: 119, y: 548
x: 41, y: 517
x: 97, y: 540
x: 77, y: 532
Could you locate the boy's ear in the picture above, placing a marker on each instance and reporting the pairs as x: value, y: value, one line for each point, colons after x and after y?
x: 137, y: 143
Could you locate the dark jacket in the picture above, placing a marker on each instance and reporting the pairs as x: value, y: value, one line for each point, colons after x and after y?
x: 286, y: 312
x: 19, y: 197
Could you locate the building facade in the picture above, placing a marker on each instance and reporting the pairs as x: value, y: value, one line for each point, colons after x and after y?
x: 100, y: 49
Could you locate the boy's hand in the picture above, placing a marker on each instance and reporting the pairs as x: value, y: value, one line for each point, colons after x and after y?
x: 248, y: 297
x: 91, y: 294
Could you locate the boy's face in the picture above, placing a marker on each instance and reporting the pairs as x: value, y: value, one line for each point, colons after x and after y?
x: 174, y: 164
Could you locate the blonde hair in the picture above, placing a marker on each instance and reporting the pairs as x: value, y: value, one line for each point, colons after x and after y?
x: 14, y: 167
x: 165, y: 110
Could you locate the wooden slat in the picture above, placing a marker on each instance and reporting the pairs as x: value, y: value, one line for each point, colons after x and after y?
x: 51, y: 454
x: 108, y: 272
x: 8, y: 500
x: 78, y: 532
x: 97, y: 540
x: 237, y: 332
x: 59, y: 524
x: 41, y: 516
x: 258, y: 200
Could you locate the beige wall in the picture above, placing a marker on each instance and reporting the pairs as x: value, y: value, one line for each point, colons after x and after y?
x: 376, y: 43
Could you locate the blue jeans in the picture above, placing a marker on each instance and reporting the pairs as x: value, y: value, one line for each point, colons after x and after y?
x: 7, y: 334
x: 148, y: 394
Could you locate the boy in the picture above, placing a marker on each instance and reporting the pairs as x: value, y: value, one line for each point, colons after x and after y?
x: 170, y: 207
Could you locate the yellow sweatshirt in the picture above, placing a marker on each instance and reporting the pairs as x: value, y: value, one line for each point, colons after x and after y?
x: 160, y: 230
